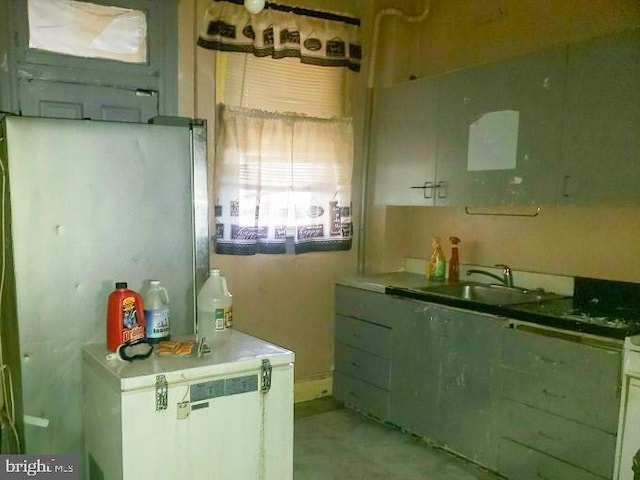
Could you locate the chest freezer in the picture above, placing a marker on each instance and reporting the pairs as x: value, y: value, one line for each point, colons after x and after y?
x: 225, y: 416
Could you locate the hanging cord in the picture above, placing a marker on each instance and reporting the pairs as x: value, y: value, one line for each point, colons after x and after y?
x: 5, y: 374
x: 385, y: 12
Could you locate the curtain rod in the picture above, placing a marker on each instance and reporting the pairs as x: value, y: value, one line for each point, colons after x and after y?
x: 303, y: 11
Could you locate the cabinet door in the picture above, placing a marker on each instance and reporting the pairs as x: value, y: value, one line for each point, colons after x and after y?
x: 601, y: 148
x: 469, y: 371
x: 499, y: 131
x: 404, y: 143
x: 445, y: 378
x: 415, y: 370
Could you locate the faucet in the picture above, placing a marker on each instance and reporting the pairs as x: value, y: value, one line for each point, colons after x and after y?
x: 507, y: 274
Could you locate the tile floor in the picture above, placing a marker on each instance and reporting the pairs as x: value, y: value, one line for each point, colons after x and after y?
x: 335, y: 443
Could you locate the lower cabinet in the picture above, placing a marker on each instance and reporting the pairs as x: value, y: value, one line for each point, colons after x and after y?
x: 559, y: 407
x: 526, y: 404
x: 525, y: 463
x: 363, y: 350
x: 444, y: 382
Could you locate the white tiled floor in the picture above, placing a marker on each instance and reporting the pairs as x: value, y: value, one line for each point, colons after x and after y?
x: 340, y: 444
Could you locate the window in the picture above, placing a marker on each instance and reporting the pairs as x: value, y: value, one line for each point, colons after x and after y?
x: 88, y: 30
x: 284, y: 157
x: 283, y: 85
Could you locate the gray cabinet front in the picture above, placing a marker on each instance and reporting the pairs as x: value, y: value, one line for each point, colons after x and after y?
x: 469, y: 371
x: 528, y: 402
x: 560, y: 399
x: 499, y: 131
x: 553, y: 127
x: 415, y: 371
x: 363, y: 350
x: 404, y: 143
x: 601, y: 146
x: 445, y: 378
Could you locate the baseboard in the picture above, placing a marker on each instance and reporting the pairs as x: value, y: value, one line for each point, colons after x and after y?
x: 311, y: 388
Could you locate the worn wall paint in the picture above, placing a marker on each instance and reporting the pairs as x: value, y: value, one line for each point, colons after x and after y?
x: 600, y: 242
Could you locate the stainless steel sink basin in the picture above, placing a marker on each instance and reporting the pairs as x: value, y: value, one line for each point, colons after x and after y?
x: 489, y: 294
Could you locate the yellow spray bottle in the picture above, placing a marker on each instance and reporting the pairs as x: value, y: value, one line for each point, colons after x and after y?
x: 437, y: 264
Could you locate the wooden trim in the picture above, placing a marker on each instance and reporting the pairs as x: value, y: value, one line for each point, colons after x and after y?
x: 313, y: 387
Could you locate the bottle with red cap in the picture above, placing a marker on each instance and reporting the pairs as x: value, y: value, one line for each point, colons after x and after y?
x: 125, y: 317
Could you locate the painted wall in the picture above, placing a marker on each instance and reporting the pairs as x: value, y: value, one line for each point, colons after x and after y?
x: 285, y: 299
x: 600, y: 242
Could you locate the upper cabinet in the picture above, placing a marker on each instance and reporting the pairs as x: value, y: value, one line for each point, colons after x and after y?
x: 499, y: 131
x: 558, y: 126
x: 601, y: 139
x: 404, y: 143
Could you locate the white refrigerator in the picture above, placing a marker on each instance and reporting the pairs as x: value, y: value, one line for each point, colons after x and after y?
x: 224, y: 416
x: 86, y: 204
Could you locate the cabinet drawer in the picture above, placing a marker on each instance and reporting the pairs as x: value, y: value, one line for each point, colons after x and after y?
x: 371, y: 306
x: 555, y: 375
x: 361, y: 395
x: 518, y: 462
x: 575, y: 397
x: 540, y: 354
x: 363, y: 365
x: 364, y: 335
x: 575, y: 443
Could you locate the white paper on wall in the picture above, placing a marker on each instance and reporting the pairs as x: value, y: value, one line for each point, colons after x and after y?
x: 493, y: 141
x: 88, y: 30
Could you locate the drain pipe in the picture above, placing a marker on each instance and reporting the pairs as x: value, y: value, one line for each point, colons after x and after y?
x: 385, y: 12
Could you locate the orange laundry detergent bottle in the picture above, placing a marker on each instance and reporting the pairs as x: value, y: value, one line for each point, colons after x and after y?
x: 125, y: 317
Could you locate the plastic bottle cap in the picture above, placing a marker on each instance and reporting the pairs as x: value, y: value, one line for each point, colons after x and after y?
x: 215, y: 271
x: 121, y: 285
x: 154, y: 282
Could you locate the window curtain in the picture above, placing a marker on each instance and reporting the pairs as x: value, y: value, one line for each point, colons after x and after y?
x: 317, y: 38
x: 283, y: 183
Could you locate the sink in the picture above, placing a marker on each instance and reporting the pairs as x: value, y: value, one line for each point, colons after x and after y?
x: 488, y: 294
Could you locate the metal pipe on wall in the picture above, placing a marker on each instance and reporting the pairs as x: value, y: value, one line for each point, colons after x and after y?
x: 385, y: 12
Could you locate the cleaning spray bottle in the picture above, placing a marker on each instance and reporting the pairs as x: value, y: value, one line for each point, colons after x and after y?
x: 454, y: 263
x: 437, y: 265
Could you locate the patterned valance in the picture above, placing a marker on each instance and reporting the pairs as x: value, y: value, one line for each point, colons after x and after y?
x: 317, y: 38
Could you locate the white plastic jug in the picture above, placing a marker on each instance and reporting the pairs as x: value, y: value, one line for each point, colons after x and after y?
x: 155, y: 301
x: 215, y: 312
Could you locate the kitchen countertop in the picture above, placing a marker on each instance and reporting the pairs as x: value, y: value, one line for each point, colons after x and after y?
x: 551, y: 313
x: 379, y: 282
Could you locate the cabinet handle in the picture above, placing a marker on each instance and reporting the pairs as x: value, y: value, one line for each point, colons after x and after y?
x: 357, y: 365
x: 553, y: 395
x: 442, y: 189
x: 427, y: 188
x: 565, y: 185
x: 549, y: 360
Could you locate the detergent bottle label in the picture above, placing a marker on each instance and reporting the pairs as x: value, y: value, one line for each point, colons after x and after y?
x: 131, y: 330
x: 219, y: 319
x: 157, y: 323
